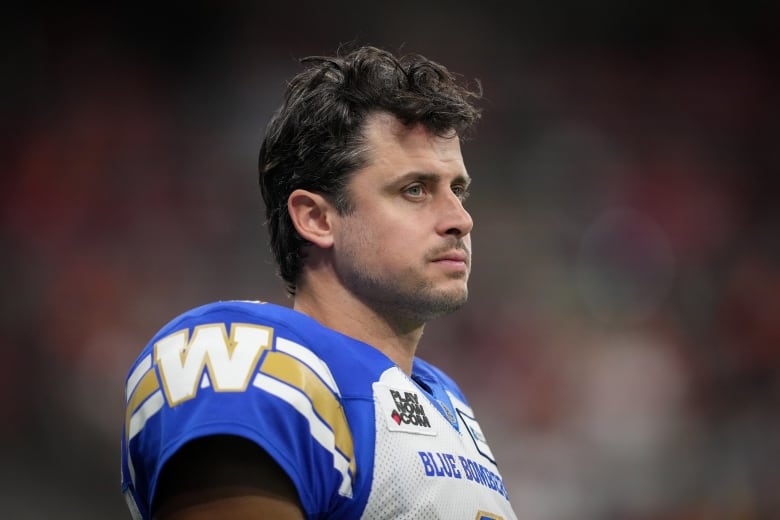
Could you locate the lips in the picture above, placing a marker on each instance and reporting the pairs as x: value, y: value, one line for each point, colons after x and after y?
x: 457, y: 257
x: 452, y: 256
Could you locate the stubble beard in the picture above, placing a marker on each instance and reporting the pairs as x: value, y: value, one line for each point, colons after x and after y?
x: 404, y: 297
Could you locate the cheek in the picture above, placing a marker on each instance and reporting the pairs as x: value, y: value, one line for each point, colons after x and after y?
x: 385, y: 238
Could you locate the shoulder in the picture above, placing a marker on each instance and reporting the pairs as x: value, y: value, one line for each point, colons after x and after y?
x: 265, y: 326
x: 237, y: 319
x: 218, y: 324
x: 237, y: 311
x: 250, y: 370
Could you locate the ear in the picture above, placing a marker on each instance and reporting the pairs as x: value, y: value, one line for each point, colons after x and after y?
x: 311, y: 215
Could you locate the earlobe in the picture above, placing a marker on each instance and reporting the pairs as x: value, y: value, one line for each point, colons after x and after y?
x: 310, y: 213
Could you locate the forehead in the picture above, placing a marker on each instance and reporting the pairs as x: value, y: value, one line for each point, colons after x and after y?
x: 389, y: 140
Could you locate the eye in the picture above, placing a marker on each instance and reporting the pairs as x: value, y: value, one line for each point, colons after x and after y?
x: 461, y: 191
x: 414, y: 191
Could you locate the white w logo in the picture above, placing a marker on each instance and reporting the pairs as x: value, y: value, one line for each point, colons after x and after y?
x: 231, y: 360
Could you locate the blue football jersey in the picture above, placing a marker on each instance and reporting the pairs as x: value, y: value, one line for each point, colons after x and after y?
x: 356, y: 435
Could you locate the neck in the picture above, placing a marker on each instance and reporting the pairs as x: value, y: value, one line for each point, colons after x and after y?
x: 336, y: 308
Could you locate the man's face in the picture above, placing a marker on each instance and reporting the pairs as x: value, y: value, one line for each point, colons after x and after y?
x: 405, y: 250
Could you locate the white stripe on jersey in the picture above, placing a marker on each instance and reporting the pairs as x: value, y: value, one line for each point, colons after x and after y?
x: 309, y: 359
x: 135, y: 378
x: 319, y: 429
x: 150, y: 407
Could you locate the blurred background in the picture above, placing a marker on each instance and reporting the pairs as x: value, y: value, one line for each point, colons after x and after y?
x: 622, y: 342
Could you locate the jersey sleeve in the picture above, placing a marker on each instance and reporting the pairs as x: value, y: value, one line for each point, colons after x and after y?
x: 231, y: 369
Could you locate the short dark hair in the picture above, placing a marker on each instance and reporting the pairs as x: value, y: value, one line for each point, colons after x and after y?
x: 315, y: 140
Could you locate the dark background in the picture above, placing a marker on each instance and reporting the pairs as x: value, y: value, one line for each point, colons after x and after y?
x: 622, y: 342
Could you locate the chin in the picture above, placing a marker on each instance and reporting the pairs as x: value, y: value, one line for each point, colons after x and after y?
x: 450, y: 302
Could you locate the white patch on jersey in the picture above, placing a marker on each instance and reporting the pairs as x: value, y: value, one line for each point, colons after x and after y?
x: 404, y: 410
x: 441, y: 477
x: 477, y: 436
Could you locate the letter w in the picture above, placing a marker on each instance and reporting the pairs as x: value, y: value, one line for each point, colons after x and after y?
x: 231, y: 360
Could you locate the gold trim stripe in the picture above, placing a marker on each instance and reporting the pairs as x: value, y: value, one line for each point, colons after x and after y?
x: 483, y: 515
x: 146, y: 387
x: 297, y: 374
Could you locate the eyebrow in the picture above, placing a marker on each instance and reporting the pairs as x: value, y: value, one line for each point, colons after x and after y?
x: 431, y: 177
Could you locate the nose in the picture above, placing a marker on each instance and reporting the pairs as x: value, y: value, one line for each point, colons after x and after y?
x: 454, y: 219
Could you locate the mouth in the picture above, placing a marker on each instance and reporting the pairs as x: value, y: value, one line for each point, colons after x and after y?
x: 452, y: 257
x: 457, y: 259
